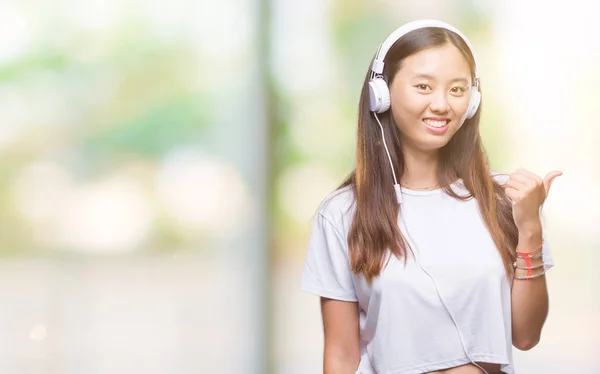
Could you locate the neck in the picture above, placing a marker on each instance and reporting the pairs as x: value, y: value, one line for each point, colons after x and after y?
x: 420, y: 168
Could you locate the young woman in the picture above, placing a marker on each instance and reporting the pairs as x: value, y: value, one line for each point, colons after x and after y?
x: 425, y: 261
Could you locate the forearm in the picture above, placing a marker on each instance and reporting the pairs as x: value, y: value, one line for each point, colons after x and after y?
x: 529, y: 297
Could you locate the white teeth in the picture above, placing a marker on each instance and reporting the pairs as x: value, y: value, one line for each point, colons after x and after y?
x: 434, y: 123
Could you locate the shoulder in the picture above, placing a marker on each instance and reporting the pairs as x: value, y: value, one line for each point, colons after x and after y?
x: 500, y: 177
x: 338, y: 206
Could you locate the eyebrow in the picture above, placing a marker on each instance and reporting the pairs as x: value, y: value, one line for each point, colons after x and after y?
x: 427, y: 76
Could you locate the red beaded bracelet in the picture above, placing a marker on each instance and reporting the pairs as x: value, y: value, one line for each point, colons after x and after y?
x: 528, y: 256
x: 531, y: 252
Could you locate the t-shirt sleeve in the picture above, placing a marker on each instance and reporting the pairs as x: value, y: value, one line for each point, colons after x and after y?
x: 327, y: 270
x: 547, y: 254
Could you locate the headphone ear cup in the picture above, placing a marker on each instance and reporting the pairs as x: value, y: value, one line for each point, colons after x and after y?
x: 379, y: 95
x: 474, y: 102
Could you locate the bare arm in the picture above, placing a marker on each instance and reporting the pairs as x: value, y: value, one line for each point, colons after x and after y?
x: 527, y: 193
x: 340, y: 326
x: 529, y: 299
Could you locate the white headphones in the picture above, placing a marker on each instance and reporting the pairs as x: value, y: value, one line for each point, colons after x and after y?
x: 379, y: 93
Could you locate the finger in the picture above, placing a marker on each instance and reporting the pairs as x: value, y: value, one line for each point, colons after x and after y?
x: 550, y: 178
x: 532, y: 175
x: 523, y: 178
x: 512, y: 194
x: 517, y: 185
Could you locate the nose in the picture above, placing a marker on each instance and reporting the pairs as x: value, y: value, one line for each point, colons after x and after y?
x: 439, y: 102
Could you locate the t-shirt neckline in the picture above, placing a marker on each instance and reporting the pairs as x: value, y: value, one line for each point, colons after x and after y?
x: 436, y: 191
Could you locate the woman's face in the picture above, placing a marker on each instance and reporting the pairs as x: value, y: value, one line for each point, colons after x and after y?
x: 430, y: 96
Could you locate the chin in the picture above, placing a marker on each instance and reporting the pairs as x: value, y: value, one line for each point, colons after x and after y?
x: 434, y: 146
x: 422, y: 140
x: 433, y: 142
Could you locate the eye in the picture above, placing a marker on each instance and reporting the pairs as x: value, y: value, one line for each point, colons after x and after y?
x: 423, y: 87
x: 458, y: 90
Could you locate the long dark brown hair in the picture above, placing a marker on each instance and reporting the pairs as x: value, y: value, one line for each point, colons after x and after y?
x: 374, y: 229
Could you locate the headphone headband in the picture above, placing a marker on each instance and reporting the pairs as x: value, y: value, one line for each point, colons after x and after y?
x: 377, y: 66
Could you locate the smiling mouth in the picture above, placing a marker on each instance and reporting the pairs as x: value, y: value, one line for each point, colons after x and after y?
x: 436, y: 127
x: 436, y: 123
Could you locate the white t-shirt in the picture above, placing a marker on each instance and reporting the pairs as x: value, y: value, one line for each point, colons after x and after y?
x: 404, y: 325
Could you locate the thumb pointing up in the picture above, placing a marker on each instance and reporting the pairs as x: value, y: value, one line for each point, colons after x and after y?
x: 549, y: 178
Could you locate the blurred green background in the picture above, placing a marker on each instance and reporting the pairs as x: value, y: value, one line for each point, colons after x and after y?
x: 160, y: 163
